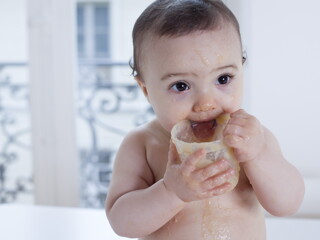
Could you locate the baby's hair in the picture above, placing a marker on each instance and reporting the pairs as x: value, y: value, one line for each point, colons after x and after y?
x: 174, y: 18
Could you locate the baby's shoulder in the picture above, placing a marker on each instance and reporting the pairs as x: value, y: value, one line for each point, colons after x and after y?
x: 141, y: 135
x: 148, y: 132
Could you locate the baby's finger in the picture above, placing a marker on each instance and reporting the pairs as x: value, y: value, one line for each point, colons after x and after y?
x: 234, y: 141
x: 232, y: 129
x: 238, y: 121
x: 189, y: 165
x: 203, y: 174
x: 218, y: 180
x: 219, y: 190
x: 240, y: 114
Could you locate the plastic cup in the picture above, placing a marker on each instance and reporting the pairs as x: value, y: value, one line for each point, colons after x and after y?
x: 186, y: 143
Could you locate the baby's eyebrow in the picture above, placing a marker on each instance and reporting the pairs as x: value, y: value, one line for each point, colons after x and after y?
x: 183, y: 74
x: 171, y: 75
x: 234, y: 66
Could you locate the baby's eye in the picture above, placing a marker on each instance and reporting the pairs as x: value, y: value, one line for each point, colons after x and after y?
x: 180, y: 87
x: 224, y: 79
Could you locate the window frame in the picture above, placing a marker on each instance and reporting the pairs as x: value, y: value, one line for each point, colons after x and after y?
x: 90, y: 30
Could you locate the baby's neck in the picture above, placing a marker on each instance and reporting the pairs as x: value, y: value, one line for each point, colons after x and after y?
x: 160, y: 130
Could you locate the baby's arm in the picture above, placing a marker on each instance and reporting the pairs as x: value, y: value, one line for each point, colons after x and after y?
x: 277, y: 184
x: 135, y: 206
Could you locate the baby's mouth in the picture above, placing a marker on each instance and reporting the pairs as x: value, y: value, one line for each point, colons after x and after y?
x: 204, y: 131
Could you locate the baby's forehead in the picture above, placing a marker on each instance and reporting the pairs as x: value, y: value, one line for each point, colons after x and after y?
x: 177, y: 52
x: 150, y: 38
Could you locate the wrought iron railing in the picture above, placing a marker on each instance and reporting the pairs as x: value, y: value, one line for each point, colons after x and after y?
x: 109, y: 103
x: 15, y: 135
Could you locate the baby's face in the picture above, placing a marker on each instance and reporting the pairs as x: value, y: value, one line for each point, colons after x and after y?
x: 194, y: 77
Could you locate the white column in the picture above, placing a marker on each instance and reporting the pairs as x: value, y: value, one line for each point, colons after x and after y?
x: 52, y: 64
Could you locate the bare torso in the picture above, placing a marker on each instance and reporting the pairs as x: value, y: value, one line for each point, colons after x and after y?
x: 235, y: 215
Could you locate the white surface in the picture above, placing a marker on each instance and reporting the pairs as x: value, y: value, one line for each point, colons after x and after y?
x: 52, y: 223
x: 293, y: 229
x: 19, y: 222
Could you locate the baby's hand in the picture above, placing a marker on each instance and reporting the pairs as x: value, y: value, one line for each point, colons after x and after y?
x: 190, y: 183
x: 245, y: 135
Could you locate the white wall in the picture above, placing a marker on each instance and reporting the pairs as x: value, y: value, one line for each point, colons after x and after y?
x: 124, y: 14
x: 284, y: 59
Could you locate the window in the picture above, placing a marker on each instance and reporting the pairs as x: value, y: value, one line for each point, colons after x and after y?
x: 93, y: 23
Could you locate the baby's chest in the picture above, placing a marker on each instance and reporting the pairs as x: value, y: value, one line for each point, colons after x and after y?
x: 218, y: 218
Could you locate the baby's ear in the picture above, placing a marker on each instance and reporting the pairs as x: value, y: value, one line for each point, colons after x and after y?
x: 142, y: 85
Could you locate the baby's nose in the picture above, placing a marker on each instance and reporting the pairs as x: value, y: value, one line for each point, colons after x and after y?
x: 206, y: 102
x: 203, y: 107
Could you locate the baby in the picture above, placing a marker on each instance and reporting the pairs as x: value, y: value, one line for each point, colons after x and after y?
x: 188, y: 62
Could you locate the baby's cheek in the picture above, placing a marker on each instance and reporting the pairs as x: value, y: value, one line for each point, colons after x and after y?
x: 168, y: 119
x: 231, y: 108
x: 232, y: 103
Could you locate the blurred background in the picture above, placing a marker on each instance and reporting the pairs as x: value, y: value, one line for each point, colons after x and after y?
x: 67, y: 97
